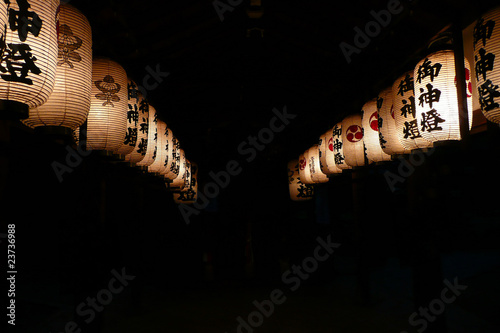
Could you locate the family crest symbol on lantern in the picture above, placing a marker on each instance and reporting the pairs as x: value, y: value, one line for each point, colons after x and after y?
x: 354, y: 133
x: 109, y: 90
x: 68, y: 44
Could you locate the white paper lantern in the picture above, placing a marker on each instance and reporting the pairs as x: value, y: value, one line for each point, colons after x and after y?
x: 352, y: 138
x: 407, y: 127
x: 317, y: 175
x: 389, y: 140
x: 187, y: 177
x: 130, y: 139
x: 178, y: 182
x: 304, y: 168
x: 69, y: 103
x: 370, y: 122
x: 159, y: 153
x: 327, y: 155
x: 172, y: 167
x: 167, y: 148
x: 336, y: 145
x: 150, y: 155
x: 190, y: 195
x: 436, y: 97
x: 3, y: 18
x: 487, y: 63
x: 298, y: 190
x: 107, y: 120
x: 141, y: 145
x: 29, y: 55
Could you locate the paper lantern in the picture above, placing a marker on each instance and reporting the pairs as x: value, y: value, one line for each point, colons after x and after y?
x: 29, y: 54
x: 190, y: 195
x: 487, y: 63
x: 389, y: 140
x: 371, y: 138
x: 327, y: 155
x: 141, y: 145
x: 3, y: 17
x: 298, y: 190
x: 436, y: 97
x: 107, y: 120
x: 407, y: 127
x: 150, y: 154
x: 352, y: 138
x: 336, y: 144
x: 304, y: 169
x: 69, y: 103
x: 172, y: 165
x: 178, y: 183
x: 317, y: 175
x: 187, y: 177
x: 130, y: 139
x: 159, y: 153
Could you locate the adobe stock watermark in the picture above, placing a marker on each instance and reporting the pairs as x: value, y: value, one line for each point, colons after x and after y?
x: 407, y: 167
x: 221, y: 7
x: 372, y: 29
x: 91, y: 305
x: 426, y: 315
x: 293, y: 279
x: 249, y: 149
x: 74, y: 158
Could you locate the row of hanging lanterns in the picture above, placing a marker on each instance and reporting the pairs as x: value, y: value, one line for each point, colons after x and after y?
x: 49, y: 78
x: 418, y: 110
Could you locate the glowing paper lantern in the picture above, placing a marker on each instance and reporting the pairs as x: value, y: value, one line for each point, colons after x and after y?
x: 352, y: 138
x: 389, y: 140
x: 167, y: 147
x: 29, y: 54
x: 3, y: 17
x: 337, y: 146
x: 190, y: 195
x: 150, y: 154
x: 69, y: 103
x: 436, y: 97
x: 159, y: 153
x: 130, y: 139
x: 407, y: 127
x: 370, y: 122
x: 327, y: 155
x: 172, y: 166
x: 317, y: 175
x: 487, y: 63
x: 107, y: 120
x: 298, y: 190
x: 187, y: 177
x: 178, y: 183
x: 141, y: 144
x: 304, y: 168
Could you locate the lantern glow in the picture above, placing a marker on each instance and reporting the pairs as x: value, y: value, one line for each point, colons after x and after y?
x: 149, y: 156
x: 298, y: 190
x: 352, y: 138
x: 370, y: 121
x: 389, y: 140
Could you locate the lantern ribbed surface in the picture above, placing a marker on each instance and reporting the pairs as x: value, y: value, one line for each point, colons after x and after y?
x: 487, y: 63
x: 69, y: 103
x: 191, y: 194
x: 159, y: 154
x: 28, y: 66
x: 130, y: 139
x: 3, y: 18
x: 388, y: 138
x: 168, y: 148
x: 173, y: 164
x: 436, y: 97
x: 336, y: 144
x: 317, y: 175
x: 407, y: 127
x: 352, y: 138
x: 178, y: 182
x: 151, y: 142
x: 107, y: 120
x: 370, y: 121
x: 326, y: 154
x: 187, y: 177
x: 297, y: 189
x: 141, y: 144
x: 304, y: 168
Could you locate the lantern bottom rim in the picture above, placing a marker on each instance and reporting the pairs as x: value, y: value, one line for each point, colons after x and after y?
x: 13, y: 110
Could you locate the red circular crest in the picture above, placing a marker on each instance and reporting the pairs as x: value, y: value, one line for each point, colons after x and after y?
x: 330, y: 144
x: 354, y: 133
x: 374, y: 121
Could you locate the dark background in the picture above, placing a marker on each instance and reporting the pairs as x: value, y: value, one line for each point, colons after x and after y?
x: 397, y: 247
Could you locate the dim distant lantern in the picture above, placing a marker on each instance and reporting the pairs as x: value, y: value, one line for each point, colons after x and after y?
x: 178, y: 182
x: 130, y: 139
x: 69, y: 103
x: 29, y: 54
x: 436, y: 102
x: 298, y: 190
x: 190, y: 195
x: 326, y: 154
x: 149, y: 156
x: 107, y: 120
x: 172, y: 166
x: 159, y: 154
x: 337, y: 146
x: 141, y: 144
x: 407, y: 127
x: 487, y: 63
x: 317, y: 175
x: 370, y: 121
x: 167, y: 148
x: 187, y: 177
x: 352, y: 138
x: 304, y: 169
x: 389, y: 140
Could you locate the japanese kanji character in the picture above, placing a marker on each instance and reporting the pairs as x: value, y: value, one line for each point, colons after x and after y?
x: 132, y: 114
x: 142, y: 146
x: 23, y: 20
x: 483, y: 31
x: 131, y: 137
x: 18, y: 62
x: 431, y: 120
x: 408, y: 108
x: 411, y: 129
x: 339, y: 159
x: 405, y: 85
x: 484, y: 64
x: 432, y: 95
x: 427, y: 69
x: 337, y: 131
x: 487, y: 93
